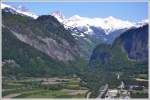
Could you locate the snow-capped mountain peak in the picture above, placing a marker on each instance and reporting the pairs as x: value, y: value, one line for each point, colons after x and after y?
x: 18, y: 10
x: 57, y: 14
x: 108, y: 24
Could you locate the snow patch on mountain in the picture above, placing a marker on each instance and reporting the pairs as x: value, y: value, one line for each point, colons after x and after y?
x: 18, y: 10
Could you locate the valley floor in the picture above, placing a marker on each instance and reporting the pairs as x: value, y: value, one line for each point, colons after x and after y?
x: 44, y: 88
x: 72, y: 87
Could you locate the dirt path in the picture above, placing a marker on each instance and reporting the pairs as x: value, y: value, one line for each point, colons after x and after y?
x: 12, y: 95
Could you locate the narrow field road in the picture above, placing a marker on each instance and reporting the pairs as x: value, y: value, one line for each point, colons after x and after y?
x: 12, y: 95
x: 88, y: 95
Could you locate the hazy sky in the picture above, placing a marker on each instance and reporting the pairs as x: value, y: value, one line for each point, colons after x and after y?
x: 132, y: 11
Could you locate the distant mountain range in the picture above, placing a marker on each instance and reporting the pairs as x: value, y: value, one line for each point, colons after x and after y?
x: 106, y: 29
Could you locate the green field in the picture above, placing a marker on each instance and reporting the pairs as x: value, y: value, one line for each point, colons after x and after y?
x: 50, y: 88
x: 49, y: 94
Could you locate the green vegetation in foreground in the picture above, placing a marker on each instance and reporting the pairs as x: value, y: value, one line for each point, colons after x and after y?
x: 31, y: 88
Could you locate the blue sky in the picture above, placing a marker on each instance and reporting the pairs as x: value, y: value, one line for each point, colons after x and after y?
x: 132, y: 11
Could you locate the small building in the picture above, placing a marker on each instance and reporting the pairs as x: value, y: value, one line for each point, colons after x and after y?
x: 112, y: 93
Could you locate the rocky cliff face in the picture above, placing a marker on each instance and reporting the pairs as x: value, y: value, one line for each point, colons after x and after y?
x: 135, y: 43
x: 45, y: 34
x: 131, y: 46
x: 21, y: 59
